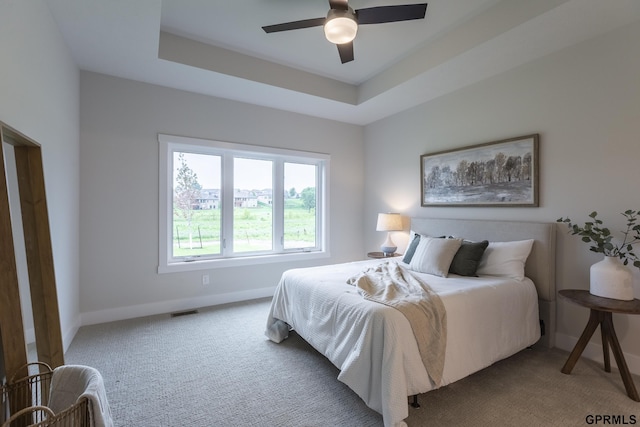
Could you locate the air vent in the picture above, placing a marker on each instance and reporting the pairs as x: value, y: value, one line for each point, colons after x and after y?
x: 184, y: 313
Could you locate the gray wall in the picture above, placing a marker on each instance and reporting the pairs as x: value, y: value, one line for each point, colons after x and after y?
x: 39, y: 96
x: 120, y: 120
x: 585, y: 104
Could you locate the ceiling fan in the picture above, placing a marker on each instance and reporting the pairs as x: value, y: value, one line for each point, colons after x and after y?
x: 341, y: 23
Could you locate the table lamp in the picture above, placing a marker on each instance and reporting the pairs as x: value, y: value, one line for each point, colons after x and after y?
x: 389, y: 222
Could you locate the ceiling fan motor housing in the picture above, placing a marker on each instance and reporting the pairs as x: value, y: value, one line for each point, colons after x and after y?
x: 341, y: 26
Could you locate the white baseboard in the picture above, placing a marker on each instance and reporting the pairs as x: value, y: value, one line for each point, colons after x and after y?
x: 593, y: 351
x: 133, y: 311
x: 67, y: 336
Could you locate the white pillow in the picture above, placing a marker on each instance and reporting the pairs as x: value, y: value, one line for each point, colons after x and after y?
x: 505, y: 259
x: 434, y: 255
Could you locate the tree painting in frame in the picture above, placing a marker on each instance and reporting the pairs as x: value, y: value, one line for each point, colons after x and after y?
x: 499, y: 173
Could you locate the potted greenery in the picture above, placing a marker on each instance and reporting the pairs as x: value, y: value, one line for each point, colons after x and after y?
x: 610, y: 278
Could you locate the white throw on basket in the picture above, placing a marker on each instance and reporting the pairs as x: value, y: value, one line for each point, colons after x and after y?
x: 71, y: 383
x: 67, y: 396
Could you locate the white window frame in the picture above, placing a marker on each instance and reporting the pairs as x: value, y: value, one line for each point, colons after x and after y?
x: 169, y: 144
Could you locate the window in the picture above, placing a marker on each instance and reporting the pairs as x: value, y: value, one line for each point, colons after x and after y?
x: 231, y: 204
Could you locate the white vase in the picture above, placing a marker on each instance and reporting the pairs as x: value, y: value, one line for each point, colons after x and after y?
x: 610, y: 278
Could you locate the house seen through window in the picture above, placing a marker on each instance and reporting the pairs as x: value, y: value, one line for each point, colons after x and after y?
x: 224, y: 201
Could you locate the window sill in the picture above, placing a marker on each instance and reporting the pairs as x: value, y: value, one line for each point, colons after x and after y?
x: 209, y: 264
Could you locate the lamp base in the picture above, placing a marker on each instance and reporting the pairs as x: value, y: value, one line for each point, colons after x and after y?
x: 388, y: 250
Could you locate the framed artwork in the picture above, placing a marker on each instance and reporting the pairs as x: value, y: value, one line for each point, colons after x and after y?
x: 499, y: 173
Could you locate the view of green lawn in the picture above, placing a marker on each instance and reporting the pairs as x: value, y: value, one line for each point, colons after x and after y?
x: 252, y: 229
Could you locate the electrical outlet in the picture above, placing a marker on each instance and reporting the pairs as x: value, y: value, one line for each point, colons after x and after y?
x: 205, y: 279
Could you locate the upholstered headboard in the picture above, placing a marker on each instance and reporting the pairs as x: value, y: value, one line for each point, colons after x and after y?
x: 540, y: 266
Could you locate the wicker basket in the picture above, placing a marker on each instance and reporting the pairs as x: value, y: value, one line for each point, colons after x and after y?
x: 24, y: 402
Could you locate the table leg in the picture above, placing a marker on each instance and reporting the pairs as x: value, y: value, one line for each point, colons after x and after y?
x: 605, y: 343
x: 610, y: 333
x: 594, y: 321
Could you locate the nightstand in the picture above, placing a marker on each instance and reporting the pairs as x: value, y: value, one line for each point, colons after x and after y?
x: 381, y: 255
x: 601, y: 310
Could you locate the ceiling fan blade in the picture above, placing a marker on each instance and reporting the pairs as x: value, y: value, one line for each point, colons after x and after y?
x: 346, y: 52
x: 294, y: 25
x: 381, y: 14
x: 339, y: 4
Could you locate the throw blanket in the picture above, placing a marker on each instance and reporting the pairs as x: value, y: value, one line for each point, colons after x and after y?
x: 69, y: 383
x: 393, y: 285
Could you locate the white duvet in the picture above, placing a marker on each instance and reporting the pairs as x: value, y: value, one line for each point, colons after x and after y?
x: 488, y: 318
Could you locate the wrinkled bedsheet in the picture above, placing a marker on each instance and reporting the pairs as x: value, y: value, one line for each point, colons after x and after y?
x: 488, y: 319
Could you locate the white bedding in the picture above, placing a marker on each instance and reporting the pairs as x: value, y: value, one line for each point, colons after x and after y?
x: 488, y: 318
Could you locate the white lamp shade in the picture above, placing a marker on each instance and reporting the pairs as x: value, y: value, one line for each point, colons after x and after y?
x: 389, y: 222
x: 340, y: 27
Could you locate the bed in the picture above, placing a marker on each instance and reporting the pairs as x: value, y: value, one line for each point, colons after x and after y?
x: 488, y: 318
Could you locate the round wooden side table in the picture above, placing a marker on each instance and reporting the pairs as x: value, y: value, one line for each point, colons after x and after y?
x: 381, y: 255
x: 601, y: 314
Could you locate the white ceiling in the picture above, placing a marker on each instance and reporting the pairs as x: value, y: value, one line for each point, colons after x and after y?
x: 217, y: 47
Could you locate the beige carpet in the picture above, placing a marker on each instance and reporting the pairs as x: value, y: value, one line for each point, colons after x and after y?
x: 216, y: 368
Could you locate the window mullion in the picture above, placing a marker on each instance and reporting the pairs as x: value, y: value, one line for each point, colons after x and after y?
x: 227, y: 205
x: 322, y: 203
x: 278, y: 205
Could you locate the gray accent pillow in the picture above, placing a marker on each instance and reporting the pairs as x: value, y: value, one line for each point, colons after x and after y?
x: 467, y: 259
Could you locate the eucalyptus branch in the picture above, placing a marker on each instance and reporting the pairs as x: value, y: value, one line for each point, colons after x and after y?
x: 601, y: 238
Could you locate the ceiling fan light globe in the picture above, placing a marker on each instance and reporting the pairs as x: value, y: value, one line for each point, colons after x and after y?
x: 340, y: 27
